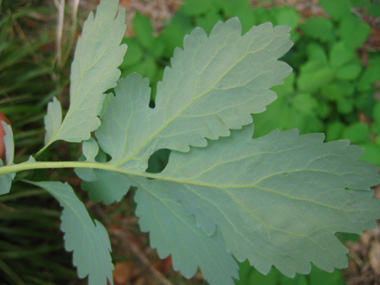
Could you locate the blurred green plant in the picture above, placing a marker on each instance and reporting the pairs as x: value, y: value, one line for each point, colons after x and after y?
x: 332, y: 90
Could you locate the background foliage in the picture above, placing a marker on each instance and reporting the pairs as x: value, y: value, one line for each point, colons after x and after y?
x: 333, y: 89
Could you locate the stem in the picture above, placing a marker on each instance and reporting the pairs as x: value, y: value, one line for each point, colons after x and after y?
x: 68, y: 164
x: 7, y: 169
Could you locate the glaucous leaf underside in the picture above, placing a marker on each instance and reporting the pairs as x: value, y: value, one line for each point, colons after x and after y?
x: 277, y: 200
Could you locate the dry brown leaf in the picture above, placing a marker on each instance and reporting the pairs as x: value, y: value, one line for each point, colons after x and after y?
x: 122, y: 272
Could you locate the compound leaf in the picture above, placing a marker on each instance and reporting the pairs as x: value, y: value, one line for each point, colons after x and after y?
x: 213, y: 85
x: 173, y: 231
x: 87, y: 239
x: 93, y: 71
x: 279, y: 199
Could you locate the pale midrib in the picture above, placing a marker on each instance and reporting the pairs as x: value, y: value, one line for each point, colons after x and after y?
x: 253, y: 186
x: 111, y: 167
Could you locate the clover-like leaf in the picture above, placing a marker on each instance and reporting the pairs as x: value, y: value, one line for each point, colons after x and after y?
x: 212, y: 86
x: 87, y: 239
x: 93, y: 71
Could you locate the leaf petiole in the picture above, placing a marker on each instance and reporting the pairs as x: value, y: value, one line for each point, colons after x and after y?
x: 60, y: 164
